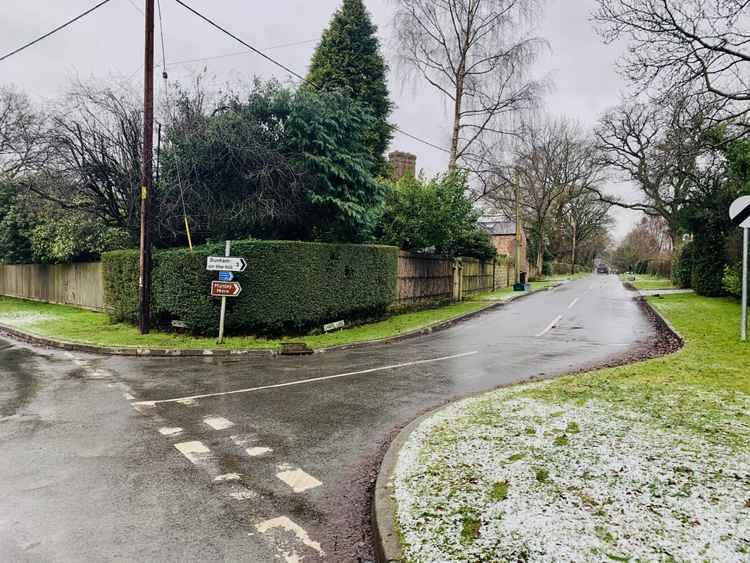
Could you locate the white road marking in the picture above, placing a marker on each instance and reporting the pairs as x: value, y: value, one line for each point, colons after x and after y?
x: 218, y: 422
x: 196, y: 452
x: 285, y: 524
x: 227, y: 477
x: 573, y: 304
x: 550, y: 327
x: 257, y: 452
x: 128, y: 396
x: 297, y: 479
x: 191, y: 400
x: 170, y: 431
x: 243, y: 495
x: 243, y: 440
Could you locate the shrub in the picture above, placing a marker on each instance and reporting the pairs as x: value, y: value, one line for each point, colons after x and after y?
x: 708, y: 264
x: 287, y: 287
x: 683, y: 271
x: 732, y: 280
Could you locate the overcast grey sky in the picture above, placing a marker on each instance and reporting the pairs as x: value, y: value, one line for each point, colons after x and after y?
x: 109, y: 44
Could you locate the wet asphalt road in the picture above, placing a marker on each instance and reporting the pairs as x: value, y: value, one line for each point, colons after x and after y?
x: 95, y: 467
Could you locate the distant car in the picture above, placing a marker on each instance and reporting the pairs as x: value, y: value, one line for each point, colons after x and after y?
x: 602, y: 269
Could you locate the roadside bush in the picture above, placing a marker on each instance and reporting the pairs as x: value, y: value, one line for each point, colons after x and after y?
x: 683, y: 271
x: 708, y: 264
x: 288, y: 287
x: 732, y: 280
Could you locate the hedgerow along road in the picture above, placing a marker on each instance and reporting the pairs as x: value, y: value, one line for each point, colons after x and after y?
x: 256, y: 459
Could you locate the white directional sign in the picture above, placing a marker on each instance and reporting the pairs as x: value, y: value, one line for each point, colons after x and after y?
x: 226, y: 264
x: 739, y: 212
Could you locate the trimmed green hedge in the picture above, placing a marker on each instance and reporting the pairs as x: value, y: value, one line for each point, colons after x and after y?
x: 288, y: 287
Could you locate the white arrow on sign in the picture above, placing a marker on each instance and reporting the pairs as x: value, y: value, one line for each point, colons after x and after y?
x: 739, y: 212
x: 225, y: 264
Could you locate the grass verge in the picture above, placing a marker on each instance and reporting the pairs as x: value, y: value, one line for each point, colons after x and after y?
x: 646, y: 281
x: 87, y: 327
x: 649, y: 461
x: 66, y: 323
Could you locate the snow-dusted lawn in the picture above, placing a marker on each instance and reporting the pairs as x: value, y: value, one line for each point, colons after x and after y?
x: 509, y: 477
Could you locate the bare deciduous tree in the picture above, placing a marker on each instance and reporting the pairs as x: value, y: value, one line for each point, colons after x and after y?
x: 684, y: 45
x: 553, y: 161
x: 477, y: 54
x: 21, y: 134
x: 661, y: 149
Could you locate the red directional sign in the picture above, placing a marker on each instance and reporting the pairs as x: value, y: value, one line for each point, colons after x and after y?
x: 225, y: 289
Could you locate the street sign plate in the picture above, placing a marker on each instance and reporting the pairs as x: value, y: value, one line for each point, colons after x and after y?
x: 226, y: 276
x: 226, y: 264
x: 334, y: 326
x: 225, y: 289
x: 739, y: 212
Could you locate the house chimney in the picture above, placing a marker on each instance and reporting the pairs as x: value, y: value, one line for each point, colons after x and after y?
x: 402, y: 164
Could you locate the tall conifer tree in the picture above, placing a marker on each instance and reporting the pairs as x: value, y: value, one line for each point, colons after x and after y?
x: 348, y: 57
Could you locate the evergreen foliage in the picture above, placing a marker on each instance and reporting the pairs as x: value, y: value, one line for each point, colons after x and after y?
x: 434, y: 214
x: 349, y: 58
x: 288, y: 286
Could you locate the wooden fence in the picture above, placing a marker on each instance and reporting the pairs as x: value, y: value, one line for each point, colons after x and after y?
x: 429, y: 277
x: 80, y: 285
x: 423, y: 277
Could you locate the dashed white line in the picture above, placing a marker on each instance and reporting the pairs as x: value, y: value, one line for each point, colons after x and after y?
x: 196, y: 452
x: 170, y: 431
x: 297, y: 479
x: 218, y: 422
x: 574, y: 303
x: 285, y: 524
x: 550, y: 327
x: 191, y: 400
x: 257, y: 452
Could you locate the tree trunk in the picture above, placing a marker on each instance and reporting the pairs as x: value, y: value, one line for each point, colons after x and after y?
x: 457, y: 106
x: 540, y: 251
x: 573, y: 253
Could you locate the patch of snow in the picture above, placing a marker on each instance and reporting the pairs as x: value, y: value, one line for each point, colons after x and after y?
x: 585, y: 483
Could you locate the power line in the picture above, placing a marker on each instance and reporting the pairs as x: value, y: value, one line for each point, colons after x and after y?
x: 290, y: 71
x: 58, y: 28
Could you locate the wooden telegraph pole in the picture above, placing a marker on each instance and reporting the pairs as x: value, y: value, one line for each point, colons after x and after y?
x: 146, y: 192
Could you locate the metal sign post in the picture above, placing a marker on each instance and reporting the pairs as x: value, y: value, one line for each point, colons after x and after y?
x: 739, y: 212
x: 746, y: 246
x: 227, y: 251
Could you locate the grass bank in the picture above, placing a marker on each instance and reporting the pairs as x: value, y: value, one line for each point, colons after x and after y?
x: 647, y: 281
x: 644, y: 462
x: 87, y: 327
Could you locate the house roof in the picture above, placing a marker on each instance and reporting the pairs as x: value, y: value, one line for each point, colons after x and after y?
x: 498, y: 228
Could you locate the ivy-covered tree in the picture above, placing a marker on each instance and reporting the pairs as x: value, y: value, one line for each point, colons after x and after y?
x: 348, y: 57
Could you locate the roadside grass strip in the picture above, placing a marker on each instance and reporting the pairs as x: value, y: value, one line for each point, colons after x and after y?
x: 649, y: 462
x: 66, y: 323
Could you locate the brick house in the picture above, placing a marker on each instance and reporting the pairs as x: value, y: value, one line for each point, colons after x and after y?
x: 503, y: 237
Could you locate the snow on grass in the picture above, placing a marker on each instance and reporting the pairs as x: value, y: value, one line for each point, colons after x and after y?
x: 25, y: 318
x: 510, y: 477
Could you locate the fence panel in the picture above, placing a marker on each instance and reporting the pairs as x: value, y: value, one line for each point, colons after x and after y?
x: 478, y: 275
x: 80, y: 285
x: 424, y: 277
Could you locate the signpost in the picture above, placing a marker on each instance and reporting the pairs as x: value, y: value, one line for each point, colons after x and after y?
x: 739, y: 212
x: 225, y: 286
